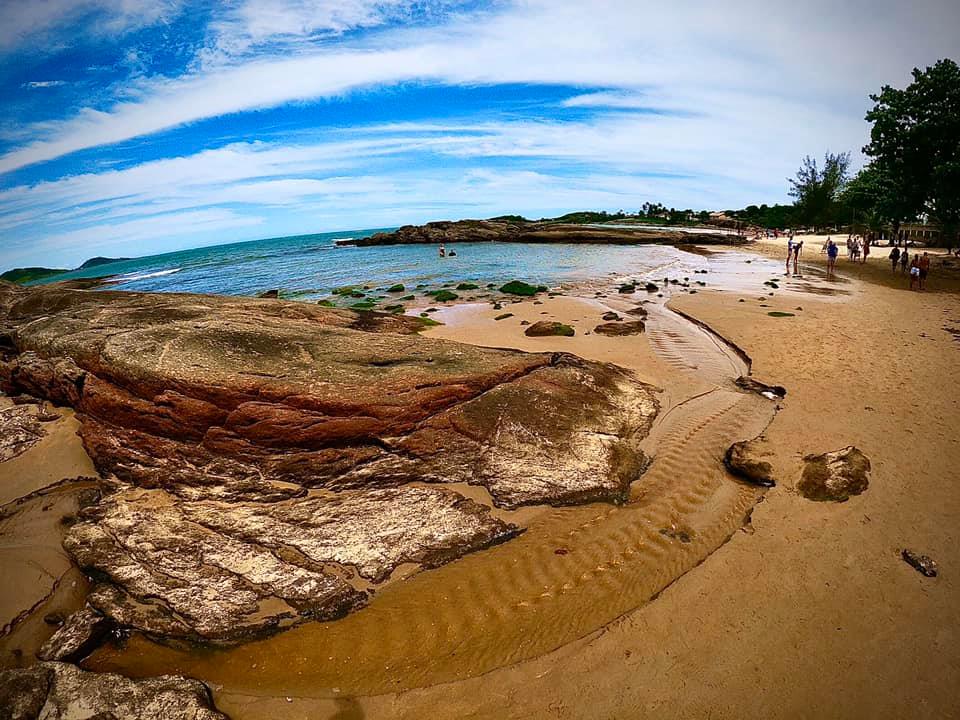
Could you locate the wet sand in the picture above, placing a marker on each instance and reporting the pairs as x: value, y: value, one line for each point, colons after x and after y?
x: 805, y: 610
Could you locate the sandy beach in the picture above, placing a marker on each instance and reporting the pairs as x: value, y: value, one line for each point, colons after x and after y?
x: 780, y: 607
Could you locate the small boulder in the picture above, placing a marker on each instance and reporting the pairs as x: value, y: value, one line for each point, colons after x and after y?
x: 834, y: 476
x: 743, y: 459
x: 771, y: 392
x: 274, y: 294
x: 80, y: 633
x: 546, y: 328
x: 610, y: 316
x: 650, y: 287
x: 634, y: 327
x: 398, y: 288
x: 627, y: 289
x: 504, y: 316
x: 638, y: 311
x: 445, y: 296
x: 467, y: 286
x: 518, y: 287
x: 923, y: 564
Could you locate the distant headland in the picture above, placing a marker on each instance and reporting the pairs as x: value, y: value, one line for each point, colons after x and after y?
x: 22, y: 276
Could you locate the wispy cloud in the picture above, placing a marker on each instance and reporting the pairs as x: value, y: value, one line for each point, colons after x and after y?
x: 36, y: 84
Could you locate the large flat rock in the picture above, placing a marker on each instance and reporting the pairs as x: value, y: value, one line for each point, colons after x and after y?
x: 260, y: 455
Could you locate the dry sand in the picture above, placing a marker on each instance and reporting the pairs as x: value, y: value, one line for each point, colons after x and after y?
x: 809, y: 612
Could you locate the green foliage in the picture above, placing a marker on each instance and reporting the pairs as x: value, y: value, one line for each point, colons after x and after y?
x: 768, y: 216
x: 516, y: 219
x: 817, y: 189
x: 915, y: 147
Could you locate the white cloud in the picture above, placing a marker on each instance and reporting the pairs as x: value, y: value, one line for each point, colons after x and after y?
x: 37, y: 84
x: 25, y: 20
x: 701, y: 49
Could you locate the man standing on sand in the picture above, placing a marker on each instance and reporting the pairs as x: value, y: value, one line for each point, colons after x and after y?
x: 894, y: 258
x: 924, y: 265
x: 797, y: 247
x: 866, y: 248
x: 914, y: 271
x: 904, y: 260
x: 789, y: 252
x: 832, y: 252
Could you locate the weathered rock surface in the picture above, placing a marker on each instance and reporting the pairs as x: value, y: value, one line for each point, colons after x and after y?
x: 835, y: 475
x: 57, y: 691
x: 745, y: 460
x: 20, y: 429
x: 536, y: 232
x: 923, y: 564
x: 633, y: 327
x: 80, y: 633
x: 547, y: 328
x: 216, y: 572
x: 260, y: 453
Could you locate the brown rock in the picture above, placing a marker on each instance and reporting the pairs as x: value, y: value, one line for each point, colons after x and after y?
x: 835, y: 475
x: 20, y: 430
x: 744, y: 459
x: 80, y: 633
x: 58, y: 691
x: 547, y: 328
x: 634, y: 327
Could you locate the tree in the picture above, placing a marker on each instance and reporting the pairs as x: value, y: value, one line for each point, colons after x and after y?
x: 816, y: 191
x: 915, y: 146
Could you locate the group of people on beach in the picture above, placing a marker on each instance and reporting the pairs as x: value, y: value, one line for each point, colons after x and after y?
x: 919, y: 266
x: 857, y: 246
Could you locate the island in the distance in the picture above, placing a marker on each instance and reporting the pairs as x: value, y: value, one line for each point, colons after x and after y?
x: 22, y: 276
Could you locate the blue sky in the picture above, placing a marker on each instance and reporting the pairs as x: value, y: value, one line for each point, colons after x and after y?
x: 131, y: 127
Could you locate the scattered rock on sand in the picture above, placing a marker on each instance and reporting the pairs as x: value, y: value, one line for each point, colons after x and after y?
x: 58, y: 691
x: 627, y: 289
x: 835, y: 475
x: 768, y: 391
x: 504, y: 316
x: 634, y: 327
x: 610, y: 316
x: 651, y: 287
x: 545, y: 328
x: 638, y: 311
x: 274, y: 294
x: 923, y: 564
x: 744, y: 459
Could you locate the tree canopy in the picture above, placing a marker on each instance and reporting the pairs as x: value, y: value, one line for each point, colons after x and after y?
x: 915, y: 149
x: 817, y: 189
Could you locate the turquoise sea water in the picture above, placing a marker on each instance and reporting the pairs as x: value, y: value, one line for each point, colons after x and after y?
x: 310, y: 266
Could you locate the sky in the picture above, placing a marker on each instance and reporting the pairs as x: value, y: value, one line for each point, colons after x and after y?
x: 135, y: 127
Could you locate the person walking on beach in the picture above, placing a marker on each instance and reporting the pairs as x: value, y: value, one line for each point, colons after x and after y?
x: 924, y: 265
x: 866, y: 248
x: 894, y: 258
x: 832, y: 252
x: 904, y: 260
x: 789, y: 253
x: 797, y: 247
x: 915, y: 271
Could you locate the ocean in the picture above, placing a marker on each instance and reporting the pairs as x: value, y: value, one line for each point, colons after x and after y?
x: 308, y: 267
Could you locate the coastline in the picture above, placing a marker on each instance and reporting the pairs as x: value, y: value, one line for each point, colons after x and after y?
x: 799, y: 568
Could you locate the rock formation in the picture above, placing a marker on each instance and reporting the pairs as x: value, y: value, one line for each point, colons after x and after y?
x: 269, y: 462
x: 57, y: 691
x: 19, y: 430
x: 834, y: 475
x: 537, y: 232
